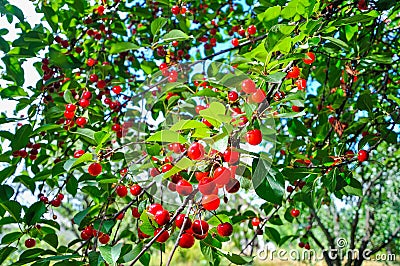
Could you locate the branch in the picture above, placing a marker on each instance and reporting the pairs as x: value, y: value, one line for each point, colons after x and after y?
x: 178, y: 211
x: 324, y: 251
x: 385, y: 242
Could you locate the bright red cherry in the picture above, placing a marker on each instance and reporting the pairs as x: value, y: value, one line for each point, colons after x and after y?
x: 91, y: 62
x: 84, y: 103
x: 104, y: 238
x: 153, y: 208
x: 87, y: 95
x: 258, y: 96
x: 307, y: 246
x: 207, y: 186
x: 117, y: 89
x: 200, y: 227
x: 166, y: 167
x: 210, y: 202
x: 296, y: 108
x: 162, y: 217
x: 200, y: 175
x: 254, y: 137
x: 252, y: 30
x: 85, y: 236
x: 95, y: 169
x: 69, y: 115
x: 310, y: 58
x: 93, y: 78
x: 225, y: 229
x: 301, y: 84
x: 295, y: 213
x: 199, y: 108
x: 183, y: 187
x: 101, y: 84
x: 180, y: 219
x: 116, y: 127
x: 186, y: 240
x: 70, y: 107
x: 233, y: 96
x: 175, y: 10
x: 255, y: 221
x: 120, y: 216
x: 230, y: 156
x: 222, y: 175
x: 136, y: 190
x: 163, y: 66
x: 196, y: 151
x: 163, y: 237
x: 248, y: 86
x: 79, y: 153
x: 56, y: 202
x: 122, y: 191
x: 154, y: 172
x: 175, y: 43
x: 235, y: 42
x: 293, y: 73
x: 30, y: 243
x: 81, y: 121
x: 362, y: 156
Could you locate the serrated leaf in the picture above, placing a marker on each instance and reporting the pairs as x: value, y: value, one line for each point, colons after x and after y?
x: 268, y: 182
x: 175, y: 35
x: 157, y: 25
x: 34, y: 212
x: 21, y: 137
x: 120, y: 47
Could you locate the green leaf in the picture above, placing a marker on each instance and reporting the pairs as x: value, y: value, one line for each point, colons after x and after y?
x: 11, y: 237
x: 157, y: 25
x: 187, y: 124
x: 175, y: 35
x: 72, y: 185
x: 45, y: 128
x: 275, y: 77
x: 62, y: 60
x: 270, y: 14
x: 68, y: 97
x: 111, y: 254
x: 364, y: 102
x: 337, y: 42
x: 7, y: 135
x: 14, y: 209
x: 215, y: 114
x: 218, y: 218
x: 5, y: 252
x: 182, y: 164
x: 237, y: 259
x: 80, y: 216
x: 120, y: 47
x: 52, y: 240
x: 362, y: 18
x: 145, y: 225
x: 272, y: 234
x: 6, y: 193
x: 297, y: 128
x: 168, y: 136
x: 88, y: 135
x: 354, y: 188
x: 71, y: 163
x: 34, y: 212
x: 268, y: 182
x: 7, y: 172
x: 21, y: 137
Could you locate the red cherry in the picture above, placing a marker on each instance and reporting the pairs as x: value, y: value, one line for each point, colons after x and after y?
x: 186, y: 241
x: 200, y: 175
x: 142, y: 235
x: 183, y: 187
x: 175, y: 43
x: 135, y: 212
x: 362, y: 156
x: 166, y: 167
x: 70, y: 107
x: 100, y: 10
x: 84, y: 103
x: 116, y: 89
x: 56, y: 202
x: 296, y: 108
x: 258, y: 96
x: 225, y: 229
x: 79, y: 153
x: 207, y: 186
x: 69, y: 115
x: 307, y: 246
x: 91, y: 62
x: 163, y: 237
x: 248, y: 86
x: 233, y: 186
x: 30, y: 243
x: 163, y: 66
x: 200, y: 227
x: 301, y: 84
x: 116, y: 127
x: 222, y: 175
x: 242, y: 32
x: 104, y: 238
x: 254, y: 137
x: 136, y: 190
x: 235, y: 42
x: 87, y: 95
x: 95, y: 169
x: 180, y: 219
x: 120, y: 216
x: 252, y: 30
x: 310, y: 58
x: 301, y: 244
x: 349, y: 154
x: 290, y: 189
x: 293, y: 73
x: 60, y: 196
x: 122, y: 191
x: 162, y: 217
x: 175, y: 10
x: 230, y: 156
x: 196, y: 151
x: 85, y: 236
x: 36, y: 146
x: 93, y: 78
x: 233, y: 96
x: 295, y: 213
x: 255, y: 221
x: 210, y: 202
x: 81, y: 121
x: 154, y: 172
x: 199, y: 108
x: 101, y: 84
x: 153, y: 208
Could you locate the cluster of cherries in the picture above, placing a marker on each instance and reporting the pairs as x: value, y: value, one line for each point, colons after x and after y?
x: 90, y: 232
x: 32, y: 153
x: 56, y: 202
x: 251, y: 30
